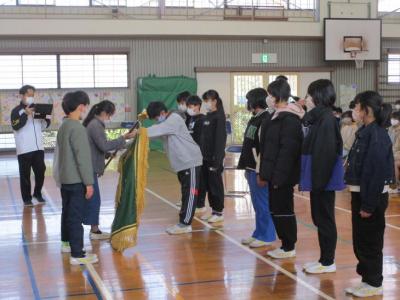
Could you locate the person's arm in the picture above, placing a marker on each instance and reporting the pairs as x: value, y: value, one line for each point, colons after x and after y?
x: 98, y: 136
x: 164, y: 128
x: 19, y: 117
x: 219, y: 143
x: 372, y: 180
x: 81, y: 148
x: 324, y: 153
x: 289, y: 152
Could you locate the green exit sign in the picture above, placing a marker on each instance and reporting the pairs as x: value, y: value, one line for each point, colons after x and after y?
x: 264, y: 58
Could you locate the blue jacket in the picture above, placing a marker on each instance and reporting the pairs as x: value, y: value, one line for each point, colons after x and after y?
x: 370, y: 164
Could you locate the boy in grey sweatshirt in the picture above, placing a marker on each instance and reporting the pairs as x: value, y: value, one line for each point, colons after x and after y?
x: 75, y: 175
x: 184, y: 156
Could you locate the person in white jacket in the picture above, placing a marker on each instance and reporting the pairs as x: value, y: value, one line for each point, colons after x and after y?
x: 29, y: 143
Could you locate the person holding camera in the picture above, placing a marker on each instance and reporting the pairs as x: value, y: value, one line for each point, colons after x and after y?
x: 28, y: 134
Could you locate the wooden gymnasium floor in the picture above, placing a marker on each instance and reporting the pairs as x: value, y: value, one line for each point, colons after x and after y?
x: 207, y: 264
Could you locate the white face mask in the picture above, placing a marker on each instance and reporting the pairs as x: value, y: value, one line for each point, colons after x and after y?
x: 182, y: 107
x: 192, y: 112
x: 207, y: 106
x: 161, y: 118
x: 29, y: 100
x: 397, y: 106
x: 394, y: 122
x: 309, y: 103
x: 270, y: 102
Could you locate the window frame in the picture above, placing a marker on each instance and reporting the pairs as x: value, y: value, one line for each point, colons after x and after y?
x: 58, y: 67
x: 388, y: 61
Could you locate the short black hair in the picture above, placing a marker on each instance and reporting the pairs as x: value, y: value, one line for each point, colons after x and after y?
x: 295, y: 98
x: 396, y: 115
x: 352, y: 104
x: 193, y: 100
x: 155, y: 108
x: 322, y: 92
x: 397, y: 102
x: 348, y: 114
x: 279, y: 89
x: 282, y: 77
x: 182, y: 96
x: 337, y: 109
x: 72, y: 100
x: 23, y: 90
x: 256, y: 98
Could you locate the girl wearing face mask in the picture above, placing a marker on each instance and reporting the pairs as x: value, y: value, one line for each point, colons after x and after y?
x: 280, y: 149
x: 213, y: 142
x: 348, y: 132
x: 394, y: 133
x: 369, y: 173
x: 322, y: 170
x: 99, y: 115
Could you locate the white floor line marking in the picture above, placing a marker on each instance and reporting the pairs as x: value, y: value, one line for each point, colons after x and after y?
x: 248, y: 250
x: 105, y: 293
x: 345, y: 210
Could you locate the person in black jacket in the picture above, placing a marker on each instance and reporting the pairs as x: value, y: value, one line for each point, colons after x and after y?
x: 213, y: 142
x: 195, y: 127
x: 369, y: 173
x: 280, y: 164
x: 321, y: 154
x: 264, y: 233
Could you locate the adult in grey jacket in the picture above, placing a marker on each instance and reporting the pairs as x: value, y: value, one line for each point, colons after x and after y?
x: 100, y: 146
x: 185, y: 158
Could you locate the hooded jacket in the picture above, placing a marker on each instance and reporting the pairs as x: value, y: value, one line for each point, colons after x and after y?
x: 281, y: 140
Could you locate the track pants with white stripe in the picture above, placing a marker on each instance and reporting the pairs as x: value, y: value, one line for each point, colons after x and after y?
x: 190, y: 182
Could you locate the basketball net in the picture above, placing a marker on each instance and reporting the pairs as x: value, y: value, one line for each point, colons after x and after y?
x: 359, y: 62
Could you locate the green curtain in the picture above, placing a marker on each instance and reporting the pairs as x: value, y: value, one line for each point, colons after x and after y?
x: 163, y: 89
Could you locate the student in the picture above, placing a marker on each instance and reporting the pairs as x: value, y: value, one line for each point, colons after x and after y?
x: 29, y: 143
x: 213, y: 144
x: 322, y: 170
x: 184, y: 156
x: 95, y: 122
x: 369, y: 173
x: 75, y: 175
x: 195, y: 126
x: 348, y: 131
x: 394, y: 134
x: 264, y: 233
x: 337, y: 112
x: 280, y: 164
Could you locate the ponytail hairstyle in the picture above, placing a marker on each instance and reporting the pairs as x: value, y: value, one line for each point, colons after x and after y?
x: 279, y: 89
x: 213, y: 95
x: 382, y: 111
x: 104, y: 106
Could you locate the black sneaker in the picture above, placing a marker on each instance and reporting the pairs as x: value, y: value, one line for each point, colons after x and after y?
x: 28, y: 203
x: 40, y: 199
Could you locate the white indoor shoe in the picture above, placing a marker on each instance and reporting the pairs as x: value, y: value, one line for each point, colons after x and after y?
x: 87, y: 259
x: 247, y: 241
x: 179, y: 229
x: 258, y: 244
x: 365, y: 290
x: 99, y: 235
x: 215, y: 219
x: 320, y: 269
x: 280, y: 253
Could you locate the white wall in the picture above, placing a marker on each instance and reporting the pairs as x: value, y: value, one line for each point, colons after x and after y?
x: 307, y: 77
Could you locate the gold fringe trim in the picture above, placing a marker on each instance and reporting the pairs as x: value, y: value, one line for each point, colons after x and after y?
x: 126, y: 236
x: 124, y: 239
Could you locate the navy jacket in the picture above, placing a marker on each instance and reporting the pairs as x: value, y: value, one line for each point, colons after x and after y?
x: 370, y: 164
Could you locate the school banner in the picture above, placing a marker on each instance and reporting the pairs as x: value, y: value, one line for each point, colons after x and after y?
x: 129, y: 199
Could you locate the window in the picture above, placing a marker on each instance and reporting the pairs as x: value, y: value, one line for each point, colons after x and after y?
x: 388, y: 5
x: 36, y: 2
x: 90, y: 71
x: 109, y: 2
x: 40, y: 70
x: 77, y: 71
x: 11, y: 71
x: 72, y: 2
x: 394, y: 68
x: 111, y: 71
